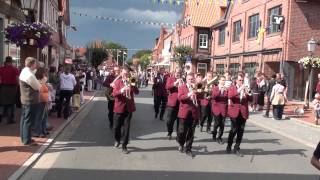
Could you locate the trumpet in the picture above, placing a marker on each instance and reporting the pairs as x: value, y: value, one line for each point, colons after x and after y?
x: 127, y: 91
x: 194, y: 97
x: 133, y: 81
x: 247, y: 90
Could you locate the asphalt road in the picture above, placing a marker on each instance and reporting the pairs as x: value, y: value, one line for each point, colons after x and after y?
x: 84, y: 150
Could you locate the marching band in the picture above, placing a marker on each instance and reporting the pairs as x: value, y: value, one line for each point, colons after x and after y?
x: 187, y: 102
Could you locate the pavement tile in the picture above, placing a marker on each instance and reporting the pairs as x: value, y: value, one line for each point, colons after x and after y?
x: 13, y: 153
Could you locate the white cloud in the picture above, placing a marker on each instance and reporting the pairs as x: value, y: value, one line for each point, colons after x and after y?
x: 131, y: 14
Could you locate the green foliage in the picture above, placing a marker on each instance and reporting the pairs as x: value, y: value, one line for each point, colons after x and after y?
x: 144, y: 61
x: 182, y: 51
x: 96, y: 55
x: 144, y: 57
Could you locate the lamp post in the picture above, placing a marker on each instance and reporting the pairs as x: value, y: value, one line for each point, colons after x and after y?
x: 29, y: 7
x: 312, y: 43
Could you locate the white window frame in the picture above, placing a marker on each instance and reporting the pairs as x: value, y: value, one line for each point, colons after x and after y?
x: 202, y: 68
x: 203, y: 41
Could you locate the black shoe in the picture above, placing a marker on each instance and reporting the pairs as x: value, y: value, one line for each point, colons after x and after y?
x: 219, y: 140
x: 266, y: 116
x: 189, y: 153
x: 116, y: 144
x: 180, y: 149
x: 169, y: 136
x: 214, y: 139
x: 125, y: 151
x: 156, y: 116
x: 228, y: 150
x: 237, y: 152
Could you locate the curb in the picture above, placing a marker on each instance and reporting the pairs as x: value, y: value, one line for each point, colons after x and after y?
x: 306, y: 123
x: 36, y: 156
x: 301, y: 141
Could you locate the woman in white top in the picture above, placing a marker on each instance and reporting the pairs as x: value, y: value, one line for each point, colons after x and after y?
x: 278, y: 99
x: 67, y: 83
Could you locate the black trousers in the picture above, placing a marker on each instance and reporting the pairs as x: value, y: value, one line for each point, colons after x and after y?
x: 122, y: 121
x: 172, y: 113
x: 237, y: 128
x: 278, y: 111
x: 64, y: 95
x: 268, y: 107
x: 186, y: 132
x: 110, y: 111
x: 219, y: 122
x: 206, y: 114
x: 160, y: 102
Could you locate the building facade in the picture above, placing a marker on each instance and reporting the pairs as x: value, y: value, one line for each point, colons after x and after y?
x: 268, y: 37
x: 9, y: 13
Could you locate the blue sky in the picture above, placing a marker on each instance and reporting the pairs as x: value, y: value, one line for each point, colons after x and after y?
x: 133, y: 36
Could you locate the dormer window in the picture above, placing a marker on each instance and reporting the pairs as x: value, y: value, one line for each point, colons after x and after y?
x: 203, y: 41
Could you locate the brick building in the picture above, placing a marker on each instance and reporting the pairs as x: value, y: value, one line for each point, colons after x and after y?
x: 266, y: 36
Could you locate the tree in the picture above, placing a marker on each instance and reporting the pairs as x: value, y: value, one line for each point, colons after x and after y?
x: 95, y: 55
x: 182, y: 52
x: 144, y: 57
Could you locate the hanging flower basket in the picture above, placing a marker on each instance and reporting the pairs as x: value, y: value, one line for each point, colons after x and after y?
x: 307, y: 62
x: 22, y: 33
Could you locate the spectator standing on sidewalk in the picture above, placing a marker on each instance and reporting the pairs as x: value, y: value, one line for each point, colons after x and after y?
x: 89, y: 77
x: 262, y: 90
x: 76, y: 95
x: 316, y: 106
x: 278, y: 99
x: 41, y: 111
x: 29, y: 89
x: 82, y: 80
x: 255, y: 93
x: 318, y: 84
x: 67, y: 83
x: 8, y: 90
x: 270, y: 85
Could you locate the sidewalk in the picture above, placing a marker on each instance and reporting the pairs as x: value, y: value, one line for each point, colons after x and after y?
x: 12, y: 152
x: 308, y: 116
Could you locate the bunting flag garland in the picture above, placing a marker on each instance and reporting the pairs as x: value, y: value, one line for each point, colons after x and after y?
x: 193, y: 2
x: 113, y: 19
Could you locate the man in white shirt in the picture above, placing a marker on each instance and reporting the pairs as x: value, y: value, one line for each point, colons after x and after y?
x: 67, y: 83
x: 29, y: 89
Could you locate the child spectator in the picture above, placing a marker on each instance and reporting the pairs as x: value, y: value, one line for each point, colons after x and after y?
x: 76, y: 94
x: 316, y: 105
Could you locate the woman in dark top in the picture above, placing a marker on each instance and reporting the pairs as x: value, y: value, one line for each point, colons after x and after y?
x: 255, y: 92
x: 315, y: 160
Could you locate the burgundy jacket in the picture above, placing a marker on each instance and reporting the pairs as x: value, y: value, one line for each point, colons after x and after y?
x: 159, y: 86
x: 122, y: 103
x: 219, y: 102
x: 236, y: 106
x: 186, y: 104
x: 173, y: 92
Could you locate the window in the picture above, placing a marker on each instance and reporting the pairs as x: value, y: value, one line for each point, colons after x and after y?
x: 234, y: 69
x: 203, y: 40
x: 220, y: 69
x: 202, y: 68
x: 253, y: 26
x: 273, y: 28
x: 222, y: 36
x: 236, y: 31
x: 250, y: 68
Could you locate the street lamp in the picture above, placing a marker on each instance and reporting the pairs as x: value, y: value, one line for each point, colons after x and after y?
x: 312, y: 44
x: 29, y: 6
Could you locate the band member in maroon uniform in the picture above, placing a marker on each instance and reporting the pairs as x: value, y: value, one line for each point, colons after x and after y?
x: 206, y: 102
x: 219, y: 108
x: 108, y: 83
x: 172, y: 85
x: 238, y: 111
x: 160, y: 94
x: 124, y: 106
x: 188, y: 114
